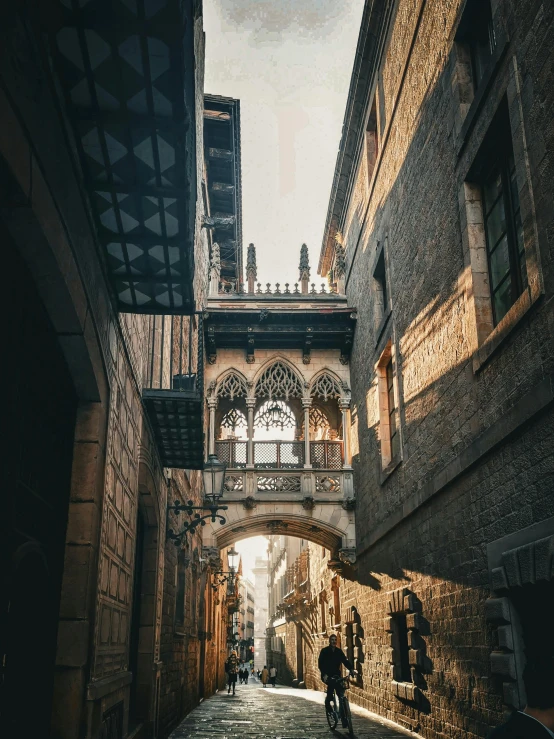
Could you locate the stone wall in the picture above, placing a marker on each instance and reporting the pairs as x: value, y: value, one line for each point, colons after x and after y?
x: 474, y: 400
x: 117, y: 647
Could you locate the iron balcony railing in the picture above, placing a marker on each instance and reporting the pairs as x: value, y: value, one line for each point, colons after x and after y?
x: 233, y: 453
x: 173, y: 389
x: 326, y: 455
x: 285, y: 455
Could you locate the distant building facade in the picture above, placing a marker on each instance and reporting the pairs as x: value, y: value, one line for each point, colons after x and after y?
x: 260, y: 572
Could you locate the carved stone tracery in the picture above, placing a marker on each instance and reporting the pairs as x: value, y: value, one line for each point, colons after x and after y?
x: 232, y: 387
x: 326, y: 387
x: 278, y: 381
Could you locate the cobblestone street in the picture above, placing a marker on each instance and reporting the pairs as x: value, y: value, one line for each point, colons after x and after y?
x: 275, y: 713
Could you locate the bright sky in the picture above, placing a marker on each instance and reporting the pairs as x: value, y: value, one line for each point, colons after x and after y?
x: 249, y: 549
x: 289, y: 62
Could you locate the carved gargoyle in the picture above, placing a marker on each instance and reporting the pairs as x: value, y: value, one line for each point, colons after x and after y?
x: 308, y: 503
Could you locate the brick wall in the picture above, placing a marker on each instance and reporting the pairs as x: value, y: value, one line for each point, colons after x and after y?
x: 475, y: 404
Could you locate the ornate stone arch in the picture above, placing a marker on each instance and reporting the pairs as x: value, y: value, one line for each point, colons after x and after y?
x: 279, y: 379
x: 326, y: 385
x: 231, y: 384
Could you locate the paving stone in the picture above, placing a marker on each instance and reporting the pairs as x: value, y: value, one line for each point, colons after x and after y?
x: 275, y: 713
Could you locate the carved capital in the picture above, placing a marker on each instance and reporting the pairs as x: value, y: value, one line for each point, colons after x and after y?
x: 212, y: 402
x: 250, y: 402
x: 344, y: 403
x: 307, y: 402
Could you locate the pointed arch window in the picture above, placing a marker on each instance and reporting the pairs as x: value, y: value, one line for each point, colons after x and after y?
x: 279, y: 381
x: 234, y: 419
x: 319, y: 423
x: 267, y: 417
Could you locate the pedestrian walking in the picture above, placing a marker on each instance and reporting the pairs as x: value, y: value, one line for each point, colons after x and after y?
x: 264, y: 676
x: 536, y: 721
x: 272, y: 675
x: 231, y: 668
x: 246, y: 676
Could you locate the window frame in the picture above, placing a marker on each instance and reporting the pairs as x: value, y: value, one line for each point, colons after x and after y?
x: 516, y: 255
x: 487, y: 336
x: 389, y: 459
x: 372, y: 139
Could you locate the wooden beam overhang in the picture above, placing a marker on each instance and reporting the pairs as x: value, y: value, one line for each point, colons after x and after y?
x: 127, y: 73
x: 279, y: 328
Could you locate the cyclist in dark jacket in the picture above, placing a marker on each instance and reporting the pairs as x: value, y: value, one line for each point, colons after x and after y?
x: 331, y: 659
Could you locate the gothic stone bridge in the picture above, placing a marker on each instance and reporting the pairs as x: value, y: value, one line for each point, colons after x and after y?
x: 279, y: 415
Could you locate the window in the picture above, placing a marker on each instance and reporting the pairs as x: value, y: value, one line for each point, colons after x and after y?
x: 388, y: 410
x: 504, y: 233
x: 371, y: 141
x: 502, y: 218
x: 401, y: 647
x: 380, y: 289
x: 322, y: 607
x: 477, y: 33
x: 393, y: 429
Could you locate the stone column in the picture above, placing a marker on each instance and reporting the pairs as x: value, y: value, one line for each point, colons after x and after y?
x: 250, y: 405
x: 212, y: 405
x: 307, y: 404
x: 344, y: 404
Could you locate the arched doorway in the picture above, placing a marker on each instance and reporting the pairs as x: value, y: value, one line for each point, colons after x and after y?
x: 39, y: 408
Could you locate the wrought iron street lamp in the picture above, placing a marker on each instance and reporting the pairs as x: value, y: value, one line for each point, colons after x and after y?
x: 214, y: 481
x: 222, y: 577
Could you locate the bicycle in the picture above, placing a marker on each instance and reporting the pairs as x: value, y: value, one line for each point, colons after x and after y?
x: 343, y: 713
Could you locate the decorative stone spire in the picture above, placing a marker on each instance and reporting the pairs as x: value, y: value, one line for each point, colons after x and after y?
x: 251, y: 268
x: 215, y: 270
x: 339, y: 269
x: 304, y: 268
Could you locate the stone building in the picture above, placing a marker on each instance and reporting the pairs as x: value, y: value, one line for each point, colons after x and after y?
x: 440, y: 228
x: 283, y: 552
x: 260, y: 572
x: 108, y: 628
x: 246, y: 612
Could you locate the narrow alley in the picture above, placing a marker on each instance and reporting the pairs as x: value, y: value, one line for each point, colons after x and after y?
x: 276, y: 713
x: 278, y: 311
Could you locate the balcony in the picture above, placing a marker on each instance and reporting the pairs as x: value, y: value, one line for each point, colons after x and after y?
x: 281, y: 455
x: 279, y: 468
x: 173, y: 389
